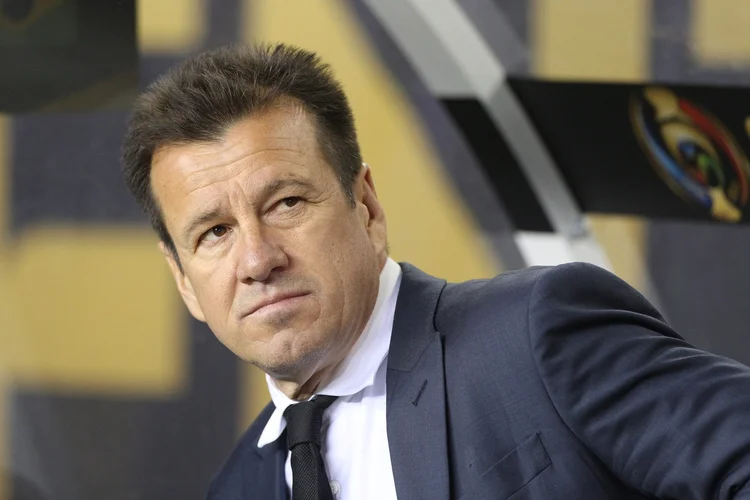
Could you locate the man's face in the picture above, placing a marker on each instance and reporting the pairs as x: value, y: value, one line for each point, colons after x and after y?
x: 275, y: 259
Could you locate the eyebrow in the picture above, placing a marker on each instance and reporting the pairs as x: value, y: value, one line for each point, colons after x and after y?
x: 266, y: 191
x: 199, y: 220
x: 279, y: 184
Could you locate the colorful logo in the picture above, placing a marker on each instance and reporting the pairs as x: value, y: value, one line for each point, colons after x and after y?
x: 692, y: 152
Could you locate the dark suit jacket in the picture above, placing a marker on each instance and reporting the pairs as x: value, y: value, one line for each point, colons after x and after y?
x: 545, y: 383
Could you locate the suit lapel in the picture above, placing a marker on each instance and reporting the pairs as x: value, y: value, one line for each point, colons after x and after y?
x: 415, y: 392
x: 267, y: 480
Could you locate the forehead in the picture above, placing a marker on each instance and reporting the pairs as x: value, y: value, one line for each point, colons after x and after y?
x: 281, y: 136
x: 279, y: 132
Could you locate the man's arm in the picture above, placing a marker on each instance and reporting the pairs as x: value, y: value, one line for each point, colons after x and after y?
x: 668, y: 419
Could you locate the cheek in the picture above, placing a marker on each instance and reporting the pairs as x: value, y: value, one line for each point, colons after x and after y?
x: 332, y: 254
x: 351, y: 260
x: 328, y: 242
x: 342, y: 253
x: 214, y: 293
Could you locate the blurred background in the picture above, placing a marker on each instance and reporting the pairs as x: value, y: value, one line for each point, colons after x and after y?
x: 109, y: 390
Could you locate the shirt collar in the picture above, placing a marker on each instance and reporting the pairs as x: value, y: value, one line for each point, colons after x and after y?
x: 357, y: 371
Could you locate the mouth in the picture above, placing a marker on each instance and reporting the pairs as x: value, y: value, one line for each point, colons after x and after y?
x: 274, y: 302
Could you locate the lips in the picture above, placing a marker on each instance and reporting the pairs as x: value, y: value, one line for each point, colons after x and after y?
x: 274, y: 299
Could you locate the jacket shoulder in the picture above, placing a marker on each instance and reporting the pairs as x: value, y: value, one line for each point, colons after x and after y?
x: 519, y: 284
x: 505, y: 292
x: 503, y: 301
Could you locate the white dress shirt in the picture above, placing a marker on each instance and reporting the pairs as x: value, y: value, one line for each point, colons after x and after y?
x: 355, y: 448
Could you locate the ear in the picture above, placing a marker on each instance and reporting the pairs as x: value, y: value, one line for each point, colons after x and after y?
x: 183, y: 284
x: 373, y: 216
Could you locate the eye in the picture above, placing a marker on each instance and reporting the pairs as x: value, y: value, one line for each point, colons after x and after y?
x: 291, y: 201
x: 215, y: 233
x: 219, y: 231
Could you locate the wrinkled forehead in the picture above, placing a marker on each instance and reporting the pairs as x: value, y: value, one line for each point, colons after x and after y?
x: 280, y: 137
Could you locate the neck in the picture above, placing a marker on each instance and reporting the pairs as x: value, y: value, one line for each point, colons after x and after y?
x: 297, y: 392
x: 303, y: 384
x: 309, y: 376
x: 319, y: 377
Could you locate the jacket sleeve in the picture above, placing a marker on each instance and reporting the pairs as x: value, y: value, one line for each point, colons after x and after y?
x: 668, y: 419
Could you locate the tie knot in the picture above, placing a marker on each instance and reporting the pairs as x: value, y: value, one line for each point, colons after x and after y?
x: 304, y: 420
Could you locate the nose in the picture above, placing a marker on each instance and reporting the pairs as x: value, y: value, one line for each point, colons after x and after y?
x: 259, y: 256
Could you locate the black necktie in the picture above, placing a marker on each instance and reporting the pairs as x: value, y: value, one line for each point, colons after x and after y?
x: 303, y: 422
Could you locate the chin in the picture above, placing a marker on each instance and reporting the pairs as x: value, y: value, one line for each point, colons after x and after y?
x: 292, y: 368
x: 289, y: 354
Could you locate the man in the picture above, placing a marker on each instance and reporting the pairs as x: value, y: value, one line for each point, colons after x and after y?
x: 386, y: 382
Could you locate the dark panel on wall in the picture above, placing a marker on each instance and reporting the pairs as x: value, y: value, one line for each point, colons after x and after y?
x: 67, y: 168
x: 674, y: 151
x: 129, y: 448
x: 81, y: 51
x: 501, y: 167
x: 703, y: 280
